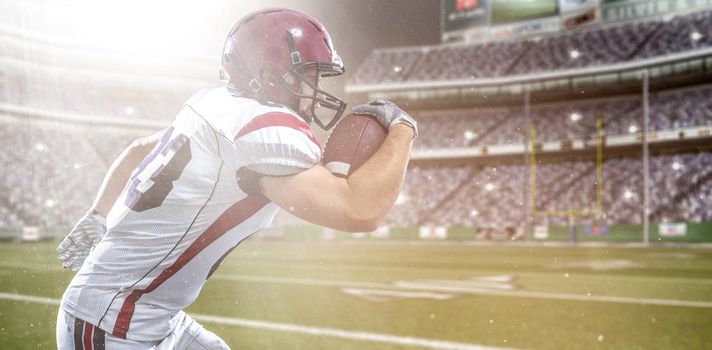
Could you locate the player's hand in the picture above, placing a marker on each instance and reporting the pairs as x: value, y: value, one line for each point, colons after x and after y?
x: 387, y: 113
x: 85, y: 235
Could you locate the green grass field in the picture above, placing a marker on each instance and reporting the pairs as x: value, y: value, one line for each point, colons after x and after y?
x: 399, y: 295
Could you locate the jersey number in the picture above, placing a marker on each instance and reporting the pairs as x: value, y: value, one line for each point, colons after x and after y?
x: 148, y: 190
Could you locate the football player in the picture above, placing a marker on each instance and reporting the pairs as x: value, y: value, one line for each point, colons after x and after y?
x: 219, y: 173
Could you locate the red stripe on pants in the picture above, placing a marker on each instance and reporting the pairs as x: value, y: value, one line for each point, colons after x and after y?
x: 87, y: 336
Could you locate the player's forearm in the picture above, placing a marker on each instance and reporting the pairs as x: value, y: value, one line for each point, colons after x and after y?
x: 120, y: 171
x: 375, y: 186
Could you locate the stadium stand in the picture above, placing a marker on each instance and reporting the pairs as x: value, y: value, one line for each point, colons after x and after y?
x: 594, y: 46
x: 566, y: 120
x: 53, y: 169
x: 493, y: 195
x: 679, y: 34
x: 40, y: 194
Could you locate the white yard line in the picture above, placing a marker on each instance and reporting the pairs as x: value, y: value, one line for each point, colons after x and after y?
x: 34, y: 267
x: 451, y: 287
x: 299, y: 329
x: 382, y: 295
x: 475, y: 272
x: 445, y: 287
x: 553, y: 296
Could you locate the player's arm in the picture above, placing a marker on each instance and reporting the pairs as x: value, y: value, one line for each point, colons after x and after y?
x: 120, y: 171
x: 356, y: 203
x: 361, y: 201
x: 88, y: 231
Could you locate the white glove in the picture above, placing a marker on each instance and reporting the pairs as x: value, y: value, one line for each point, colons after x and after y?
x: 85, y: 235
x: 387, y: 113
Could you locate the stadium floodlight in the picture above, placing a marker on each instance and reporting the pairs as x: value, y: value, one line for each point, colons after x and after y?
x: 695, y: 36
x: 574, y: 54
x: 575, y: 116
x: 628, y: 194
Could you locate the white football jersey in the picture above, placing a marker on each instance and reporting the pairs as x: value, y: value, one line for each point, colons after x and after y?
x: 183, y: 211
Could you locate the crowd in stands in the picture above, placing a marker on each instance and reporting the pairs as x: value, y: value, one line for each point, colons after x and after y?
x: 565, y: 120
x: 597, y: 45
x: 53, y: 169
x: 679, y: 34
x: 497, y: 195
x: 52, y: 173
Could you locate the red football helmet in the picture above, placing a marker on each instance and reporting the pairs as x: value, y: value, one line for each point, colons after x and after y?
x: 267, y: 54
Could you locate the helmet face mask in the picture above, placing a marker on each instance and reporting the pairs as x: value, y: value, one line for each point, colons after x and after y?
x: 272, y: 54
x: 318, y: 96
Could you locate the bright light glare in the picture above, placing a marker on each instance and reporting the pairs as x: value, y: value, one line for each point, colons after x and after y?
x: 574, y: 54
x: 632, y: 129
x: 474, y: 212
x: 575, y: 116
x: 402, y: 198
x: 628, y: 194
x: 676, y: 166
x: 695, y: 36
x: 397, y: 69
x: 489, y: 187
x: 136, y: 26
x: 469, y: 135
x: 296, y: 32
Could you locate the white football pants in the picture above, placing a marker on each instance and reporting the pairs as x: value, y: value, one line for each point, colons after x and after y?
x: 75, y: 334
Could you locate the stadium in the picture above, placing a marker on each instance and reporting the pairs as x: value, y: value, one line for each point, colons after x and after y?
x: 558, y: 194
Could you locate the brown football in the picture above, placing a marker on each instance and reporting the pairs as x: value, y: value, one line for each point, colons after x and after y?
x: 354, y: 140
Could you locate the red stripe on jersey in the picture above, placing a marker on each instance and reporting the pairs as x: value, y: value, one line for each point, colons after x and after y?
x: 278, y: 119
x: 87, y: 336
x: 232, y: 217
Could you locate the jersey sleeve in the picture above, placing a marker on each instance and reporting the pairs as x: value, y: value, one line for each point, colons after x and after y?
x: 277, y: 144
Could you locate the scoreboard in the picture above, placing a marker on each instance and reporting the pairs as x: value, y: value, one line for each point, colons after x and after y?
x: 480, y: 20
